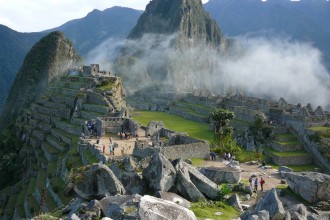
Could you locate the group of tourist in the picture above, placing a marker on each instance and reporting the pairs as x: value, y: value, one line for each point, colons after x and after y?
x: 123, y: 135
x: 256, y: 182
x: 229, y: 157
x: 91, y: 128
x: 111, y: 149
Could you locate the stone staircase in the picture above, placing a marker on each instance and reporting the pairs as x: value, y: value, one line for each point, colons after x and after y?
x: 53, y: 132
x: 286, y: 149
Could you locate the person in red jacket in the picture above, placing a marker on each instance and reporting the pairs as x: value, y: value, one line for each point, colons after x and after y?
x: 262, y: 182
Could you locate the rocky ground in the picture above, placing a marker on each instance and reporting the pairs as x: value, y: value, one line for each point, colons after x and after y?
x: 271, y: 176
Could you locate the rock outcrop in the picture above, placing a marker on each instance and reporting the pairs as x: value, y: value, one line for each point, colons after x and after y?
x: 96, y: 182
x: 144, y: 208
x: 272, y: 204
x: 48, y: 59
x: 160, y: 174
x: 132, y: 181
x: 312, y: 186
x: 202, y: 183
x: 222, y: 174
x: 173, y: 198
x: 234, y: 201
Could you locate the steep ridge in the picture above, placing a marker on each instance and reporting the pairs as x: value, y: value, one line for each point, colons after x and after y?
x: 185, y: 17
x: 157, y: 50
x: 47, y: 60
x: 50, y: 130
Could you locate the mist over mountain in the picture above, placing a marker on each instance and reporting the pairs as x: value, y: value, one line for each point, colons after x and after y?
x: 164, y: 31
x: 304, y: 20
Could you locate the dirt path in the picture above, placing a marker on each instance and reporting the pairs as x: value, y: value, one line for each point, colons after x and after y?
x: 271, y: 176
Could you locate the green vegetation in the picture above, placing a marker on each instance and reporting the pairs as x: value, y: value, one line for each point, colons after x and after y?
x: 288, y: 191
x: 208, y: 209
x: 288, y: 153
x: 319, y: 129
x: 292, y: 142
x: 197, y: 162
x: 297, y: 168
x: 194, y: 129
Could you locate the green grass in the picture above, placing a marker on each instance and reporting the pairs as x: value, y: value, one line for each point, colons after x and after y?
x: 293, y: 142
x: 194, y: 129
x: 288, y: 153
x: 319, y: 128
x: 197, y: 162
x: 297, y: 168
x: 204, y: 210
x: 287, y: 136
x: 288, y: 191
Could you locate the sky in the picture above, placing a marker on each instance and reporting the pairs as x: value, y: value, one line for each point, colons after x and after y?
x: 39, y: 15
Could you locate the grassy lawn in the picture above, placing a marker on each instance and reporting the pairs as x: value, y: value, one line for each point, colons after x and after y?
x: 288, y: 153
x: 297, y: 168
x: 194, y: 129
x: 197, y: 162
x: 287, y: 136
x: 325, y: 129
x: 293, y: 142
x: 204, y: 210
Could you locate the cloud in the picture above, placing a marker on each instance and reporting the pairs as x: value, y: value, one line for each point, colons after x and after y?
x: 271, y: 68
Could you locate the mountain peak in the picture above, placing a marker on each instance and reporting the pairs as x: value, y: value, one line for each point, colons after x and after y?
x: 187, y: 18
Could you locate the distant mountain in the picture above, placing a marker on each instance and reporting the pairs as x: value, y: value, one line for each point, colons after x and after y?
x: 46, y: 60
x: 306, y: 20
x: 85, y: 33
x: 166, y: 30
x: 88, y: 32
x: 13, y: 48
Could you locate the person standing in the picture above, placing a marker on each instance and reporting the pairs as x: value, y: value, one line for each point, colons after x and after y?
x: 256, y: 184
x: 250, y: 181
x: 262, y: 182
x: 103, y: 150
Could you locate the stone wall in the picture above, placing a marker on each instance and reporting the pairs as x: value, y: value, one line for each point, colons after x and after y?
x: 179, y: 139
x: 298, y: 128
x: 186, y: 151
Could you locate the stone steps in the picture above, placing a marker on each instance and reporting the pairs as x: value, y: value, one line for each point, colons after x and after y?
x: 77, y: 79
x: 54, y: 105
x: 73, y: 85
x: 199, y: 109
x: 42, y: 117
x: 69, y: 128
x: 51, y: 153
x: 64, y: 91
x: 287, y: 146
x: 61, y: 146
x: 35, y: 143
x: 79, y: 121
x: 289, y: 158
x: 96, y: 108
x: 39, y: 154
x: 39, y: 134
x: 188, y: 114
x: 90, y: 115
x: 57, y: 112
x: 32, y: 206
x: 59, y: 98
x: 61, y: 135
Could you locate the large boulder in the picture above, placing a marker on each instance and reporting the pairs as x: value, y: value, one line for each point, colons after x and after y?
x: 312, y: 186
x: 233, y: 200
x: 187, y: 189
x: 143, y: 208
x: 153, y: 208
x: 120, y: 207
x: 173, y: 198
x: 298, y: 212
x: 132, y: 181
x: 272, y: 204
x: 97, y: 181
x: 203, y: 184
x: 283, y: 170
x: 129, y: 164
x: 160, y: 174
x: 222, y: 174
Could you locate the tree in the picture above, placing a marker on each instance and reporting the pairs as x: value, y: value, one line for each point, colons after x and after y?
x: 221, y: 118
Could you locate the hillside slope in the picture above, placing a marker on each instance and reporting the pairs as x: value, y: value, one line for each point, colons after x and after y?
x: 45, y: 61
